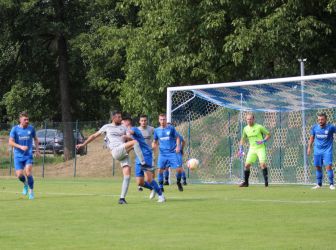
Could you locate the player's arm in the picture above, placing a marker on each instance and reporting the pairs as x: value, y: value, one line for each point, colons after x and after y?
x: 267, y: 134
x: 178, y: 143
x: 12, y: 143
x: 37, y: 150
x: 241, y: 144
x: 310, y: 143
x: 89, y: 139
x: 183, y: 145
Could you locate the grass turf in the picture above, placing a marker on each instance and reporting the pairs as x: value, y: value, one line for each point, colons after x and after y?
x: 84, y: 214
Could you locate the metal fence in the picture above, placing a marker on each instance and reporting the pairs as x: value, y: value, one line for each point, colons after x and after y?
x: 94, y: 161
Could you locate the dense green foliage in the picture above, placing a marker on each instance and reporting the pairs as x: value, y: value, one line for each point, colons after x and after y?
x: 123, y: 54
x: 84, y: 214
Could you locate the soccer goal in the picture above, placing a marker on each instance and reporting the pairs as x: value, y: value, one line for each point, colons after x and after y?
x: 211, y: 118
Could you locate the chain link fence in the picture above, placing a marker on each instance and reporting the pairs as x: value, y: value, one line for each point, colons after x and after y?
x: 93, y: 161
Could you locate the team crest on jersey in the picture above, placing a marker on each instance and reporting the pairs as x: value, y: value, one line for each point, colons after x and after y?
x: 29, y: 132
x: 326, y: 132
x: 168, y: 132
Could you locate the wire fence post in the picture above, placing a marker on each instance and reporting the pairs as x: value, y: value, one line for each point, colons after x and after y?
x: 303, y: 116
x: 113, y: 166
x: 44, y: 147
x: 11, y: 157
x: 74, y: 148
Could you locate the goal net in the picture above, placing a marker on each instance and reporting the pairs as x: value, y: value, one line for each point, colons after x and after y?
x: 211, y: 118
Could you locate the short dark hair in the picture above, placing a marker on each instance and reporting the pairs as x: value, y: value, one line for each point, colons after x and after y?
x: 162, y: 114
x: 115, y: 112
x: 322, y: 114
x: 128, y: 118
x: 144, y: 116
x: 23, y: 114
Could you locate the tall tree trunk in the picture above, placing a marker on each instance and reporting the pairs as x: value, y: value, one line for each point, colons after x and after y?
x: 65, y: 97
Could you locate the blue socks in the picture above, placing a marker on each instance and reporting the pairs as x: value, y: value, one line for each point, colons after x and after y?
x: 30, y: 181
x: 156, y: 187
x: 148, y: 186
x: 331, y: 176
x: 160, y: 179
x: 22, y: 178
x: 319, y: 176
x: 184, y: 175
x: 166, y: 174
x: 178, y: 177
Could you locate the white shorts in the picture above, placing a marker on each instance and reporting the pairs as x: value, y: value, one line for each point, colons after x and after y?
x: 120, y: 154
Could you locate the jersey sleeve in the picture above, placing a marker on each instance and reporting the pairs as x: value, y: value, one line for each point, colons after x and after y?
x: 33, y: 132
x: 102, y: 130
x: 137, y: 132
x: 334, y: 128
x: 155, y: 135
x: 173, y: 132
x: 12, y: 133
x: 264, y: 130
x: 244, y: 135
x: 312, y: 131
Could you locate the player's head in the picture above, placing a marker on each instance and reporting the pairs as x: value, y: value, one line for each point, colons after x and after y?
x: 250, y: 119
x: 143, y: 121
x: 127, y: 121
x: 24, y: 119
x: 116, y: 117
x: 322, y: 118
x: 163, y: 120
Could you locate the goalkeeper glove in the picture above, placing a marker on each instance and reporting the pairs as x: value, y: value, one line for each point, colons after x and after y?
x: 261, y: 142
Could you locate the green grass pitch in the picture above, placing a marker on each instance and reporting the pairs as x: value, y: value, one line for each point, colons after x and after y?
x: 84, y: 214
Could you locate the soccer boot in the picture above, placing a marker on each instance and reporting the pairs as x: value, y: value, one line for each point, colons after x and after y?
x: 317, y: 187
x: 122, y: 201
x: 140, y: 188
x: 161, y: 199
x: 179, y: 186
x: 266, y: 183
x: 152, y: 195
x: 244, y: 184
x: 184, y: 183
x: 332, y: 187
x: 25, y: 190
x: 31, y: 195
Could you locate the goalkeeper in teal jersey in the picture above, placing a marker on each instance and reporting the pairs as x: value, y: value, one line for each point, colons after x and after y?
x: 257, y: 136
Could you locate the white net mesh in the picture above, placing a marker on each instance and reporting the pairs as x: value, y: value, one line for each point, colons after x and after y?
x: 211, y: 120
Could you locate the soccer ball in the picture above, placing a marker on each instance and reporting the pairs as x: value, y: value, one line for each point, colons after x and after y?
x: 192, y: 164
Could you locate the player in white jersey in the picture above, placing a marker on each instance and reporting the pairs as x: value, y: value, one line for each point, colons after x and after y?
x: 147, y: 132
x: 116, y: 135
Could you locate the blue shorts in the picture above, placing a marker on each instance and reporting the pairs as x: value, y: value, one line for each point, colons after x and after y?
x: 22, y: 162
x: 139, y: 170
x: 323, y: 160
x: 168, y: 160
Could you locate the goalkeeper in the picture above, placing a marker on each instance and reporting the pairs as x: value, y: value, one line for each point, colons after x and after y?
x: 257, y: 136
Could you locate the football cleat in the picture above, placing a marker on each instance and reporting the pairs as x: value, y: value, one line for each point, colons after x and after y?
x: 332, y: 187
x: 152, y: 194
x: 25, y: 190
x: 244, y: 184
x: 161, y: 199
x: 317, y: 187
x: 122, y: 201
x: 179, y: 186
x: 31, y: 195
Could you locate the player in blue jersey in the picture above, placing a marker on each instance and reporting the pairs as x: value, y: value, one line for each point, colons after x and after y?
x: 166, y: 138
x: 322, y: 135
x: 21, y: 139
x: 180, y: 160
x: 143, y: 173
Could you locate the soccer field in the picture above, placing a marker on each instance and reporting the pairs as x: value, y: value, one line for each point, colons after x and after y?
x: 84, y: 214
